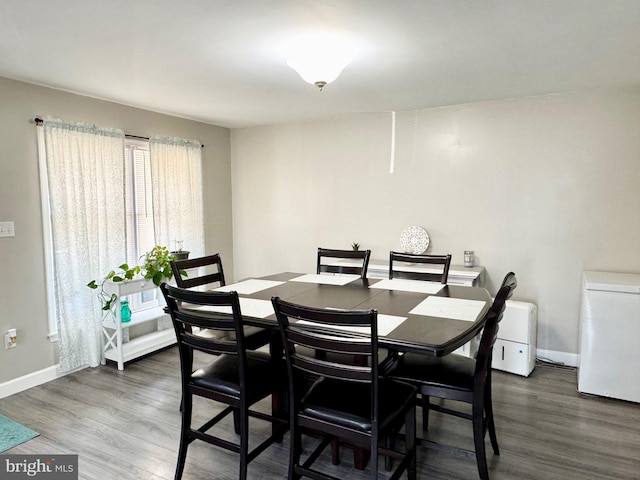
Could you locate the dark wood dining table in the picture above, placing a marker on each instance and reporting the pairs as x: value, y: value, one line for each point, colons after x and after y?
x: 435, y: 335
x: 426, y: 334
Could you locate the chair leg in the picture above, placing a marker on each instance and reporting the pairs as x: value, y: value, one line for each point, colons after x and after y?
x: 335, y: 451
x: 410, y: 442
x: 390, y: 443
x: 236, y: 421
x: 488, y: 405
x: 425, y: 412
x: 278, y: 410
x: 295, y: 450
x: 373, y: 463
x: 243, y: 417
x: 360, y: 457
x: 186, y: 408
x: 478, y: 440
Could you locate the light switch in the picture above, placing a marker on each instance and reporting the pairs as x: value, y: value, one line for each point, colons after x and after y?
x: 7, y: 229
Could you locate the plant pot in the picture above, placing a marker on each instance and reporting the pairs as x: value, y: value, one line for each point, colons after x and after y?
x: 182, y: 255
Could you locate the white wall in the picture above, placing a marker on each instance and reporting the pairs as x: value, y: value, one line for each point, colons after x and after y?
x: 545, y: 186
x: 22, y: 287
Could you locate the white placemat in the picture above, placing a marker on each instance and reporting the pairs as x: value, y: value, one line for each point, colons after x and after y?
x: 386, y: 324
x: 445, y: 307
x: 247, y: 287
x: 250, y: 307
x: 326, y: 279
x: 409, y: 285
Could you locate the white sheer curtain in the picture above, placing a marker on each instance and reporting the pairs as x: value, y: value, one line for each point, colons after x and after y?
x: 176, y: 178
x: 85, y: 169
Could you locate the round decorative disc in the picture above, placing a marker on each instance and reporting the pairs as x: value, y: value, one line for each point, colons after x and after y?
x: 414, y: 240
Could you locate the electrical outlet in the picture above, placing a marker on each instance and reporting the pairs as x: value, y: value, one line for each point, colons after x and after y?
x: 7, y: 342
x: 7, y: 229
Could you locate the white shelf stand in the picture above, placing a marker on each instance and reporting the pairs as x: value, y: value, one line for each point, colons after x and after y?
x: 115, y: 347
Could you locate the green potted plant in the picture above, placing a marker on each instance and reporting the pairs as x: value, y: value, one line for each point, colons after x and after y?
x: 355, y: 246
x: 156, y: 266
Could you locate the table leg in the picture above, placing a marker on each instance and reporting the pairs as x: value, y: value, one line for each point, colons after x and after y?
x: 279, y: 399
x: 360, y: 457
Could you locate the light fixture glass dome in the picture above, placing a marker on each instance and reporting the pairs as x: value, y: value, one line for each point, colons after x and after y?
x: 320, y: 58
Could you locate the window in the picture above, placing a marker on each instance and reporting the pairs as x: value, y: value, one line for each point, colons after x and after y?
x: 139, y: 213
x: 123, y: 197
x: 138, y: 200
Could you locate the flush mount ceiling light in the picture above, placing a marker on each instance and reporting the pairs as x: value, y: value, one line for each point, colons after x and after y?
x: 320, y: 57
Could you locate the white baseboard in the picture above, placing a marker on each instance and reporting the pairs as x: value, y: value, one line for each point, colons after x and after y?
x: 563, y: 358
x: 31, y: 380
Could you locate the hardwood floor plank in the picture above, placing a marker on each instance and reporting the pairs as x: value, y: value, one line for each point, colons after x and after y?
x: 125, y: 425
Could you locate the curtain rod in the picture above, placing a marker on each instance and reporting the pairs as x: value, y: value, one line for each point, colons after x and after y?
x: 40, y: 122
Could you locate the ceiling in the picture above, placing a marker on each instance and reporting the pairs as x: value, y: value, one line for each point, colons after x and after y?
x: 223, y: 61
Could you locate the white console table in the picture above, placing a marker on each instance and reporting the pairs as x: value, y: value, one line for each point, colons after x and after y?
x: 458, y: 275
x: 115, y: 348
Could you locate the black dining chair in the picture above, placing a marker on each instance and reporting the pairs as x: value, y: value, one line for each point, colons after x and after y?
x: 207, y: 273
x: 346, y: 402
x: 463, y: 379
x: 330, y: 266
x: 210, y: 272
x: 440, y: 264
x: 232, y: 375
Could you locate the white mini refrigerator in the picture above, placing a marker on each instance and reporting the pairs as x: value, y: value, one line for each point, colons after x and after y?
x: 610, y: 335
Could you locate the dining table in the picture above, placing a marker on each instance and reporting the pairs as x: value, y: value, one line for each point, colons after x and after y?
x: 413, y: 316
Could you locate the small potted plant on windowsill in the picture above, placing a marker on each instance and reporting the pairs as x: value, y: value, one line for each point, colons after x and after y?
x: 179, y: 253
x: 156, y: 266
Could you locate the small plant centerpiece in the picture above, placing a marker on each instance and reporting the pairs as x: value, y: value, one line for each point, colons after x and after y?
x: 179, y: 253
x: 355, y: 246
x: 156, y: 266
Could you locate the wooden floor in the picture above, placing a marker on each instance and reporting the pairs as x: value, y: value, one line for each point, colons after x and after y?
x: 125, y: 425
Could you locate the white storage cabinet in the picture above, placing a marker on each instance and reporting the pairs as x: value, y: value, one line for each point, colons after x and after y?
x: 115, y: 333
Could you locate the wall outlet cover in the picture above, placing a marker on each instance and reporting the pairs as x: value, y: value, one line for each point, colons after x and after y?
x: 7, y: 229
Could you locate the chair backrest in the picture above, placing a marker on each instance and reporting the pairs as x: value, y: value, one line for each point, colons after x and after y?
x: 205, y: 310
x: 359, y: 255
x: 511, y: 282
x: 319, y: 345
x: 440, y: 273
x: 492, y: 321
x: 211, y: 267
